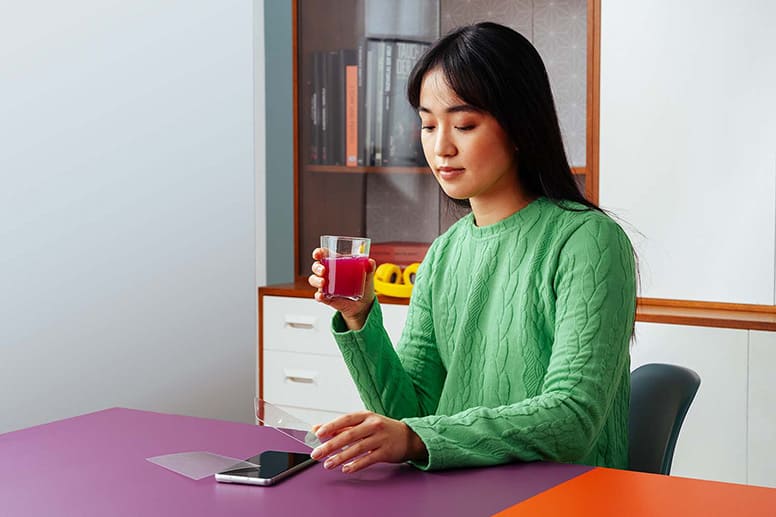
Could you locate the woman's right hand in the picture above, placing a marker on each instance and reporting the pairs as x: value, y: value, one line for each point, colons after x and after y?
x: 354, y: 312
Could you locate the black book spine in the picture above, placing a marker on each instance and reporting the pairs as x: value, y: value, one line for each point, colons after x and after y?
x: 362, y: 54
x: 335, y: 108
x: 323, y: 141
x: 336, y: 93
x: 403, y: 131
x: 315, y: 109
x: 373, y: 48
x: 390, y: 47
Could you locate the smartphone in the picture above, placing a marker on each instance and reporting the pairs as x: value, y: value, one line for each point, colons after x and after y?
x: 272, y: 467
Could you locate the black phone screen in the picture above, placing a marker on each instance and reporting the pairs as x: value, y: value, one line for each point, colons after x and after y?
x: 271, y: 464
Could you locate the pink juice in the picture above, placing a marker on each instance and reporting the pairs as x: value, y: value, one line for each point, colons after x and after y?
x: 346, y: 276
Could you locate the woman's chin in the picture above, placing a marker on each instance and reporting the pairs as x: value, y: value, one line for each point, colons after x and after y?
x: 454, y: 193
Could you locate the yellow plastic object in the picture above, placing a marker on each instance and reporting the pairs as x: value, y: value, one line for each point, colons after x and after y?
x: 388, y: 273
x: 409, y: 273
x: 390, y: 280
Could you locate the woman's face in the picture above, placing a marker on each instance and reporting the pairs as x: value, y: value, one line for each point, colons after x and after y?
x: 468, y: 151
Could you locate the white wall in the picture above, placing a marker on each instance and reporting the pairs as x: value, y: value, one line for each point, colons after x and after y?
x: 127, y: 241
x: 688, y: 143
x: 259, y: 142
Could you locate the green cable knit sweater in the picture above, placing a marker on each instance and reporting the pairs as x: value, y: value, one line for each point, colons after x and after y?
x: 515, y: 346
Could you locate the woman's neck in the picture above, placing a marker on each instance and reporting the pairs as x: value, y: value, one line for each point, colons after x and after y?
x: 490, y: 209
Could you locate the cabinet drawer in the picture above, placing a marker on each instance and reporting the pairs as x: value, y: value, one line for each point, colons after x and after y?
x: 309, y: 381
x: 298, y: 325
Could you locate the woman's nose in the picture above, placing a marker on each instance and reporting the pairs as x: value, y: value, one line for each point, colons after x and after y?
x: 444, y: 145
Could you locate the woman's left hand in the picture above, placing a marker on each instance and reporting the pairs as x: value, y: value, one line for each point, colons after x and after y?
x: 358, y: 440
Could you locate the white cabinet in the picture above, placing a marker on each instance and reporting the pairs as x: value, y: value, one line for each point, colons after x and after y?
x: 298, y: 325
x: 713, y: 440
x: 304, y: 373
x: 762, y: 409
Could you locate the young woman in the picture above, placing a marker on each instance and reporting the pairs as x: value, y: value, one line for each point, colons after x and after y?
x: 515, y: 346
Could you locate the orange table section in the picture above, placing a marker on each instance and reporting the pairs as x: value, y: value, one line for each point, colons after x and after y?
x: 619, y: 492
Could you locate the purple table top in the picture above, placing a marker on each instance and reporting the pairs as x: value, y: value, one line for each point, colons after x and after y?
x: 95, y: 464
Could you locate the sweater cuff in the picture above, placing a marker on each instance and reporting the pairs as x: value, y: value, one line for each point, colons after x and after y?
x: 428, y: 436
x: 344, y: 336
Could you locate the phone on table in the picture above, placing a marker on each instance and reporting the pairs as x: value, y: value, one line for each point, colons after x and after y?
x: 272, y: 466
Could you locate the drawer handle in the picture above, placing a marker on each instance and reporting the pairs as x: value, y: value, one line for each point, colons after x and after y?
x: 300, y: 376
x: 299, y: 322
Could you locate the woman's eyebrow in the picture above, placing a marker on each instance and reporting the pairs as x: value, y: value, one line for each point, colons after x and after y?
x: 460, y: 108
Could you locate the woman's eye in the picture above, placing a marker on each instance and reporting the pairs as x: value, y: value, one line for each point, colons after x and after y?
x: 426, y: 128
x: 464, y: 128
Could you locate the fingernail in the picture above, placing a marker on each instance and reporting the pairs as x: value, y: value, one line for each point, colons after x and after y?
x: 328, y: 464
x: 346, y: 468
x: 315, y: 454
x: 319, y: 269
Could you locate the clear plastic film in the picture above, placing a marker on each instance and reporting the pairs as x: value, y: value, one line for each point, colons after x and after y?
x: 198, y: 464
x: 291, y: 426
x: 201, y: 464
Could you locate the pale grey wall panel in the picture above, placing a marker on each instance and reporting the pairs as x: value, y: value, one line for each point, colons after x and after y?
x: 127, y: 237
x: 688, y: 143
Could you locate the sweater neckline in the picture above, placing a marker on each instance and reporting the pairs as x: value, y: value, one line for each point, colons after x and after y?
x: 508, y: 223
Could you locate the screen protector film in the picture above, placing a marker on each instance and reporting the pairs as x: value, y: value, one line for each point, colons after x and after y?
x: 201, y: 464
x: 288, y: 424
x: 198, y: 464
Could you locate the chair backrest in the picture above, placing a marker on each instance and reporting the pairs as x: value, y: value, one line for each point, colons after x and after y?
x: 660, y: 396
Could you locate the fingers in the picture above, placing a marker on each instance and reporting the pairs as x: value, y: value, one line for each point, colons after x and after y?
x: 359, y: 455
x: 316, y: 281
x: 370, y: 458
x: 358, y: 440
x: 341, y: 432
x: 318, y: 269
x: 329, y: 429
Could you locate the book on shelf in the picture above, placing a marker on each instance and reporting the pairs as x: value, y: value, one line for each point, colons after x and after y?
x: 323, y: 99
x: 351, y: 115
x: 376, y: 144
x: 334, y: 123
x: 346, y: 58
x: 361, y: 56
x: 359, y: 114
x: 331, y: 132
x: 401, y: 144
x: 393, y: 137
x: 387, y: 100
x: 315, y: 108
x: 372, y: 86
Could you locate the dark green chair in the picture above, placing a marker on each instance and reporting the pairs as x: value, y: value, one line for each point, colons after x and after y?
x: 660, y: 396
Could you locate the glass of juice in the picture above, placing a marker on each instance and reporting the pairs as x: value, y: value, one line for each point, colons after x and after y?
x: 346, y: 260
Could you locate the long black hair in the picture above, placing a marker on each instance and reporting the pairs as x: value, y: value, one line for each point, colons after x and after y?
x: 495, y: 69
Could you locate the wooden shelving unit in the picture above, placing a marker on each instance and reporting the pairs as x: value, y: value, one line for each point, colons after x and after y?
x: 340, y: 169
x: 652, y: 310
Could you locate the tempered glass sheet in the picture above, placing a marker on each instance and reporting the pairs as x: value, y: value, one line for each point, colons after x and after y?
x: 286, y: 423
x: 198, y: 464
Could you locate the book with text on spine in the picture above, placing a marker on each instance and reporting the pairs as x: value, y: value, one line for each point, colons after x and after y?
x: 351, y: 115
x: 401, y: 136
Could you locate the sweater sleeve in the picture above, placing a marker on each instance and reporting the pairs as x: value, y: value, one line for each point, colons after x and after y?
x: 403, y: 384
x: 595, y: 303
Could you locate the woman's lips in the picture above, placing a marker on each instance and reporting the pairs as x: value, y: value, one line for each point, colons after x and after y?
x: 448, y: 173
